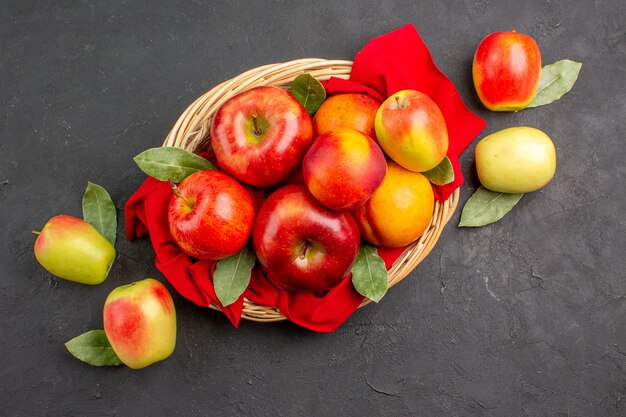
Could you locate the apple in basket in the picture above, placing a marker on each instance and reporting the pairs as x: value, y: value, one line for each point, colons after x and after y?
x: 210, y: 215
x: 259, y: 136
x: 301, y: 244
x: 343, y: 167
x: 412, y: 131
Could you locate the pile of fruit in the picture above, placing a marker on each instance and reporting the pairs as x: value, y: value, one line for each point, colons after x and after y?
x: 338, y: 178
x: 327, y: 181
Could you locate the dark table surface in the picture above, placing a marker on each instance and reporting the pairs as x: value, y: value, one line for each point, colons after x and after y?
x: 525, y: 317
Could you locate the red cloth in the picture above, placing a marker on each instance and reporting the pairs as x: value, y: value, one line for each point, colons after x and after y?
x: 398, y: 60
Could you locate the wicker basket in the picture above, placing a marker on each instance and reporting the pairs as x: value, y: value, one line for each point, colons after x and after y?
x: 192, y: 128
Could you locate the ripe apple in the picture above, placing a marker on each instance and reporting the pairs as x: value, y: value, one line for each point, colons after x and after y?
x: 412, y: 131
x: 72, y: 249
x: 506, y: 70
x: 210, y: 215
x: 355, y: 110
x: 343, y: 167
x: 259, y: 136
x: 515, y: 160
x: 301, y: 244
x: 140, y: 323
x: 400, y: 210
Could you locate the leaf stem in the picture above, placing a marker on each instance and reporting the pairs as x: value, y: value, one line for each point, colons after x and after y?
x: 35, y: 232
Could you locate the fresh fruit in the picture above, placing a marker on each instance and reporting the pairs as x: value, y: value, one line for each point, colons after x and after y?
x: 355, y: 110
x: 140, y: 323
x: 412, y: 131
x: 72, y: 249
x: 515, y: 160
x: 301, y: 244
x: 399, y: 211
x: 210, y: 215
x: 506, y: 70
x: 343, y: 167
x: 259, y: 136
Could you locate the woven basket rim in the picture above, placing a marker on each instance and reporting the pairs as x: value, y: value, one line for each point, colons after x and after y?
x: 191, y: 129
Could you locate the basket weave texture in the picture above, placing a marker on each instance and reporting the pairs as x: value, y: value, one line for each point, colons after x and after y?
x: 191, y: 132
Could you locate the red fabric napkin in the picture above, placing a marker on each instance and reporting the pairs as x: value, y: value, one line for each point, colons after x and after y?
x: 398, y: 61
x: 395, y: 61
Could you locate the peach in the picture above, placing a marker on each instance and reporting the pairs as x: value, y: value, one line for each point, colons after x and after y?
x: 342, y: 168
x: 355, y: 110
x: 399, y: 212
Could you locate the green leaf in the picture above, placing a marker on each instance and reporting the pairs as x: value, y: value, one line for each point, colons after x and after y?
x: 94, y: 348
x: 232, y: 275
x: 369, y: 275
x: 442, y: 174
x: 309, y: 92
x: 169, y: 162
x: 556, y: 80
x: 99, y: 211
x: 486, y: 206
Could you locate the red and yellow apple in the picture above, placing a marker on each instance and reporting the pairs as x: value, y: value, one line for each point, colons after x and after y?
x: 210, y: 215
x: 515, y: 160
x: 301, y: 244
x: 506, y: 70
x: 399, y: 211
x: 140, y: 323
x: 355, y: 110
x: 343, y: 167
x: 259, y: 136
x: 412, y: 130
x: 72, y: 249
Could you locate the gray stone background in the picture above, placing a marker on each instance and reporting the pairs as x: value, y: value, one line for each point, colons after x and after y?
x: 524, y: 317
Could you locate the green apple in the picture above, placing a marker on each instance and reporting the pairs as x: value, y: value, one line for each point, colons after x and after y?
x: 72, y: 249
x: 515, y: 160
x: 140, y: 323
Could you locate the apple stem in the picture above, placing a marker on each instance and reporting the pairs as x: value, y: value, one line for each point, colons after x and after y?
x: 178, y: 194
x: 257, y: 131
x: 35, y: 232
x: 305, y: 247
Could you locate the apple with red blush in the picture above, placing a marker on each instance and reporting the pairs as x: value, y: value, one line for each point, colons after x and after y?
x: 140, y: 323
x: 210, y: 215
x: 411, y: 129
x: 506, y: 70
x: 259, y: 136
x: 301, y: 244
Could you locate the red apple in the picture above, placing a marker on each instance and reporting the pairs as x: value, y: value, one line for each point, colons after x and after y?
x: 343, y: 167
x: 412, y: 131
x: 210, y: 215
x: 506, y: 70
x: 140, y: 323
x: 260, y: 135
x: 355, y: 110
x: 301, y: 244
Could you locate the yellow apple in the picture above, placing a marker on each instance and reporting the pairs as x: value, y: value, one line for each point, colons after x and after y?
x: 515, y: 160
